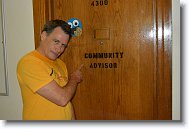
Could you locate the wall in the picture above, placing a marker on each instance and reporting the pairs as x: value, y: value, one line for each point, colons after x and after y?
x: 176, y: 60
x: 20, y: 40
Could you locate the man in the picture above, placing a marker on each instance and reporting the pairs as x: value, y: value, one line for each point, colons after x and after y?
x: 45, y: 86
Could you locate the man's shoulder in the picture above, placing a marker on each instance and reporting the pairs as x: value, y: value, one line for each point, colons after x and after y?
x: 29, y: 57
x: 61, y: 62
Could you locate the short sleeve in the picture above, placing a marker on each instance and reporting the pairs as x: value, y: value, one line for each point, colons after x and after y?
x: 34, y: 74
x: 63, y: 66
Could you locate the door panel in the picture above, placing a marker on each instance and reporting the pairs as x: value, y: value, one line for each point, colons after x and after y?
x: 131, y: 82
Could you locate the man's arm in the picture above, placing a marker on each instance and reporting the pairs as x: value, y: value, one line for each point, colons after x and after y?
x: 58, y: 95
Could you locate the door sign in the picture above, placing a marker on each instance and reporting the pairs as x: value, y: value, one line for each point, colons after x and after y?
x: 99, y: 2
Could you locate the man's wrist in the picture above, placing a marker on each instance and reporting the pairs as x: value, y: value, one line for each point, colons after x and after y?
x: 73, y: 82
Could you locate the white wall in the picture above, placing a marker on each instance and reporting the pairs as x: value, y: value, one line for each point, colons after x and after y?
x: 176, y: 60
x: 20, y: 40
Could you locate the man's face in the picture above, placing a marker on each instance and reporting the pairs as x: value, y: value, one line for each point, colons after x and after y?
x: 54, y: 44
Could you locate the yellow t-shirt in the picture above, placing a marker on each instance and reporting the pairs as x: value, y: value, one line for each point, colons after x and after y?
x: 33, y: 72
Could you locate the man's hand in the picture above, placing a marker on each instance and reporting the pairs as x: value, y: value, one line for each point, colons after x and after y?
x: 76, y: 76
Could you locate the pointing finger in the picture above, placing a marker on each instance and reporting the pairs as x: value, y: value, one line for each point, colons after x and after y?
x: 80, y: 67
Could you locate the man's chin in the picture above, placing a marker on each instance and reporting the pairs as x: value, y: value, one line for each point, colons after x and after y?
x: 53, y: 58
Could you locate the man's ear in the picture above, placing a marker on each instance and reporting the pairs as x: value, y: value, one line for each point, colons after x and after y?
x: 43, y: 35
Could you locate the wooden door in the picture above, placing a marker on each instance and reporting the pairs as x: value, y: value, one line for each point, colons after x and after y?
x: 126, y: 49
